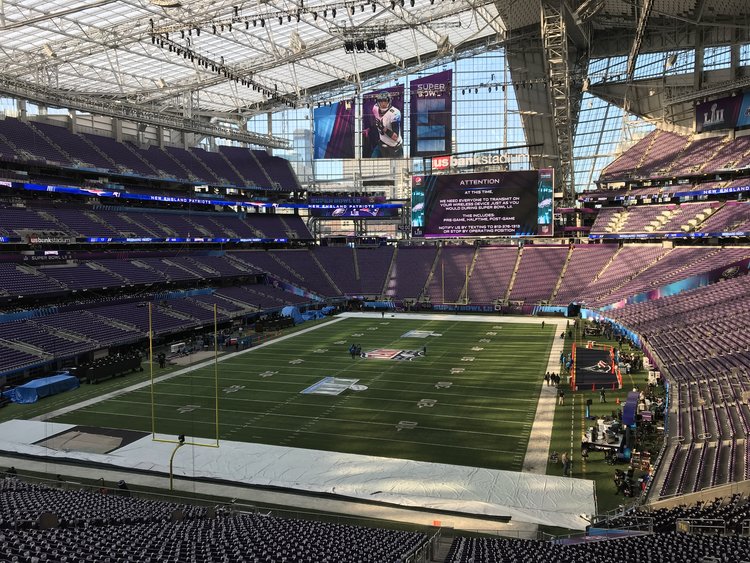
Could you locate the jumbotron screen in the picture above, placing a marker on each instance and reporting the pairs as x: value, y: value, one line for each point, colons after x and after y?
x: 515, y: 203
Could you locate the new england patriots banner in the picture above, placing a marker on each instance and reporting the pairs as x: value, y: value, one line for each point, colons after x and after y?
x: 431, y: 102
x: 334, y: 130
x: 382, y: 123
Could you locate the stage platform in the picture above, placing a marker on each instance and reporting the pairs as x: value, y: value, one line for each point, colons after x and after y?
x: 456, y: 489
x: 595, y: 369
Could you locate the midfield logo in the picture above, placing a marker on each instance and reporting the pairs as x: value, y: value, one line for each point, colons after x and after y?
x: 393, y: 354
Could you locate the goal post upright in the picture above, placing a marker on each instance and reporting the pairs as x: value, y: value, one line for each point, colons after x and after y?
x: 151, y: 364
x: 216, y: 373
x: 181, y: 439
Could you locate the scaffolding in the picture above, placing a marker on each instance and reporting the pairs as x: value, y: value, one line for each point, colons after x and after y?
x: 555, y: 40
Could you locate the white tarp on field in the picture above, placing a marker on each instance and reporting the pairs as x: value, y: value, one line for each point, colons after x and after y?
x: 524, y: 497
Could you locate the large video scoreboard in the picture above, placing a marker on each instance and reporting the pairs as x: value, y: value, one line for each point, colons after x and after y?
x: 515, y: 203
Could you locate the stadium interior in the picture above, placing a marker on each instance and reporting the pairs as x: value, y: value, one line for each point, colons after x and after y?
x: 207, y: 207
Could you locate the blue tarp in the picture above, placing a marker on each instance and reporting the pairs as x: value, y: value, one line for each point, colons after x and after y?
x: 34, y: 390
x: 312, y: 315
x: 329, y: 310
x: 379, y: 305
x: 293, y: 312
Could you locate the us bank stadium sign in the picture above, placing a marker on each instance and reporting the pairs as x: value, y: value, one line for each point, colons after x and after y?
x: 38, y: 239
x: 444, y: 162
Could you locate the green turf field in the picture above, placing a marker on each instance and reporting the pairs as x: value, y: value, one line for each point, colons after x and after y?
x: 482, y: 419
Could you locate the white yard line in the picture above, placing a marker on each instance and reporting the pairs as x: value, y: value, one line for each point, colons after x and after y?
x: 123, y: 391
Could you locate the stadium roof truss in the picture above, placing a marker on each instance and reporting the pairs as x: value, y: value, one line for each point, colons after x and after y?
x: 226, y: 59
x: 209, y: 66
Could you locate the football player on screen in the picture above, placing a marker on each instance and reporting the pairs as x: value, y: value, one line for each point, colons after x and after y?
x: 388, y: 124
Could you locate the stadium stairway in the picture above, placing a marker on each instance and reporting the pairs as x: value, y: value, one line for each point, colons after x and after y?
x: 290, y: 233
x: 132, y: 149
x: 37, y: 131
x: 262, y: 168
x: 26, y: 348
x: 389, y: 273
x: 36, y: 272
x: 604, y: 268
x: 232, y: 167
x: 198, y: 267
x: 710, y: 157
x: 246, y: 305
x: 647, y: 152
x: 695, y: 222
x: 196, y: 272
x: 53, y: 219
x: 631, y: 277
x: 150, y: 268
x: 188, y: 173
x: 286, y: 266
x: 442, y: 549
x: 167, y: 310
x: 102, y: 268
x: 238, y: 262
x: 513, y: 277
x: 562, y: 274
x: 257, y: 232
x: 117, y: 323
x: 356, y: 265
x: 325, y: 274
x: 97, y: 150
x: 424, y: 294
x: 200, y: 228
x: 95, y: 217
x: 463, y: 295
x: 617, y: 222
x: 230, y: 233
x: 128, y: 218
x: 678, y: 155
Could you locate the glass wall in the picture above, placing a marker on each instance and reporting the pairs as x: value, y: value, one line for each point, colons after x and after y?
x: 485, y: 117
x: 715, y: 58
x: 604, y: 130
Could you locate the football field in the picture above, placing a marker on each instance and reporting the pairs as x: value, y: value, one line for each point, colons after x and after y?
x: 470, y: 400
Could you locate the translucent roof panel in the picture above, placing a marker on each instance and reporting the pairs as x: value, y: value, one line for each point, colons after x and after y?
x: 230, y: 56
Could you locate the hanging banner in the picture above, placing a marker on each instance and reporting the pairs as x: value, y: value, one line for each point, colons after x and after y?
x: 545, y: 199
x: 717, y: 114
x: 382, y: 123
x: 431, y: 103
x: 334, y: 130
x: 743, y: 119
